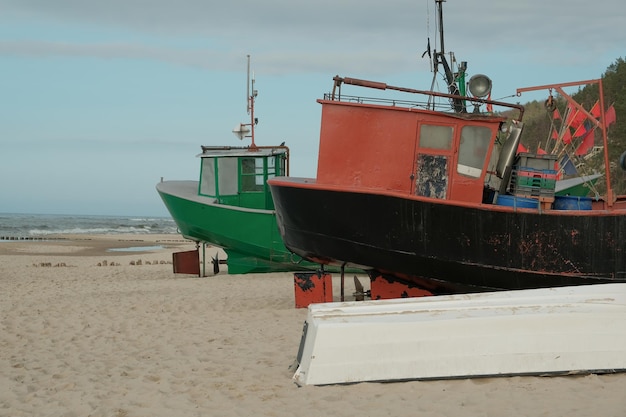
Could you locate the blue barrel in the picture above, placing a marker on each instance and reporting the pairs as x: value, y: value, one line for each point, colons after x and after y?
x: 569, y: 202
x: 517, y: 202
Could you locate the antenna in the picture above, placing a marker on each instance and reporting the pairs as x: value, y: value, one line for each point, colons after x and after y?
x: 248, y: 86
x: 246, y: 130
x: 440, y: 58
x: 440, y: 20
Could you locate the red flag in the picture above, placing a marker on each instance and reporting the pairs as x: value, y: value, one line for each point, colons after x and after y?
x: 489, y: 105
x: 595, y: 110
x: 541, y: 151
x: 578, y: 119
x: 555, y: 114
x: 574, y: 117
x: 609, y: 116
x: 521, y: 148
x: 555, y: 135
x: 567, y: 137
x: 586, y: 144
x: 582, y: 129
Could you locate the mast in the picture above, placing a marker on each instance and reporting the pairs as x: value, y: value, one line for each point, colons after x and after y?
x: 251, y: 97
x: 440, y: 24
x: 242, y: 130
x: 440, y: 58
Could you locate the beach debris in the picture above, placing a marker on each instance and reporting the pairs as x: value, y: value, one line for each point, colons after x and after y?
x: 147, y: 262
x: 50, y: 265
x: 107, y: 263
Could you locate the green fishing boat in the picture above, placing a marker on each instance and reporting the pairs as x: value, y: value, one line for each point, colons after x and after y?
x: 231, y: 205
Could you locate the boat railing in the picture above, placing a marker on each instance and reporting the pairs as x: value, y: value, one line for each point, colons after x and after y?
x: 389, y: 102
x: 432, y: 97
x: 209, y: 149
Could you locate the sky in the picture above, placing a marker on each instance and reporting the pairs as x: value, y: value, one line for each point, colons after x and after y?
x: 99, y: 100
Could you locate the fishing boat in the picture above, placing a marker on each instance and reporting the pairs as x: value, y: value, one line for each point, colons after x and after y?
x: 231, y: 207
x: 427, y: 192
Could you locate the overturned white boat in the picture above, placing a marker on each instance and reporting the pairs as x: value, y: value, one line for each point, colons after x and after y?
x: 567, y: 330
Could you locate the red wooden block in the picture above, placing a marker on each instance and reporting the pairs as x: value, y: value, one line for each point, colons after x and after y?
x: 312, y: 287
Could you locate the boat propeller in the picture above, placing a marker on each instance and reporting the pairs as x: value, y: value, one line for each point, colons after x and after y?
x: 216, y: 263
x: 360, y: 293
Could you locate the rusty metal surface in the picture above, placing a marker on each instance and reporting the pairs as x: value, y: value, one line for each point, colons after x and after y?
x: 186, y: 262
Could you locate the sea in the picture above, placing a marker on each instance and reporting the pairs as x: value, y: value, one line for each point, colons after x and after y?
x: 40, y: 226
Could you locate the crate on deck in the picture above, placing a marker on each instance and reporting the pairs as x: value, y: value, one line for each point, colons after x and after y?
x: 526, y: 177
x: 534, y: 176
x: 535, y: 161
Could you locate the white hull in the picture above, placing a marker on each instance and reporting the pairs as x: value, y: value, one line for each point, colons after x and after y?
x: 530, y: 332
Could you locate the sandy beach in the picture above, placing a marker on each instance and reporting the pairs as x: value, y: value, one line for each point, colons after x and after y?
x: 87, y: 331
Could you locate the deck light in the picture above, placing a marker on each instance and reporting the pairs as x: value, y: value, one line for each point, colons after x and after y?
x: 480, y: 85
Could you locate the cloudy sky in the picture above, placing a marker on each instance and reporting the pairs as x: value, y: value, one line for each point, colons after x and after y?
x: 100, y: 99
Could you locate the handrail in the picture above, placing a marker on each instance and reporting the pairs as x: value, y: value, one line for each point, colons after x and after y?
x: 382, y: 86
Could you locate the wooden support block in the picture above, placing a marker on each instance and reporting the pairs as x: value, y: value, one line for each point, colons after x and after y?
x: 312, y: 287
x: 383, y: 288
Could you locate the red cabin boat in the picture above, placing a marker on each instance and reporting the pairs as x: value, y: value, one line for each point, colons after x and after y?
x: 433, y: 200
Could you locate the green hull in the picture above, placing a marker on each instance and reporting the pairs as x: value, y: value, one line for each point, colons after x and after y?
x: 250, y: 237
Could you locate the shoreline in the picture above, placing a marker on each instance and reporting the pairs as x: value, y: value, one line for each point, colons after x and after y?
x: 92, y: 244
x: 124, y: 339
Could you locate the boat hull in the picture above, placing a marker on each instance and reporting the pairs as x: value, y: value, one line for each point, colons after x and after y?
x: 450, y: 248
x: 250, y: 237
x: 568, y: 330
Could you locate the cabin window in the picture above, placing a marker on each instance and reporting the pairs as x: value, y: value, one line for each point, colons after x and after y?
x: 436, y: 137
x: 280, y: 165
x: 432, y: 176
x: 473, y: 149
x: 252, y: 174
x: 227, y: 168
x: 271, y: 168
x: 207, y: 177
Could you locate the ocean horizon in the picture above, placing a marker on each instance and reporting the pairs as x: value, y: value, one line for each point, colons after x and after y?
x: 28, y: 225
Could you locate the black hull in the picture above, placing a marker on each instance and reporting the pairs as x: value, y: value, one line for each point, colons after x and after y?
x: 451, y: 248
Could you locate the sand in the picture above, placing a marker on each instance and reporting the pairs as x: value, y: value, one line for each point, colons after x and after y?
x: 83, y: 339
